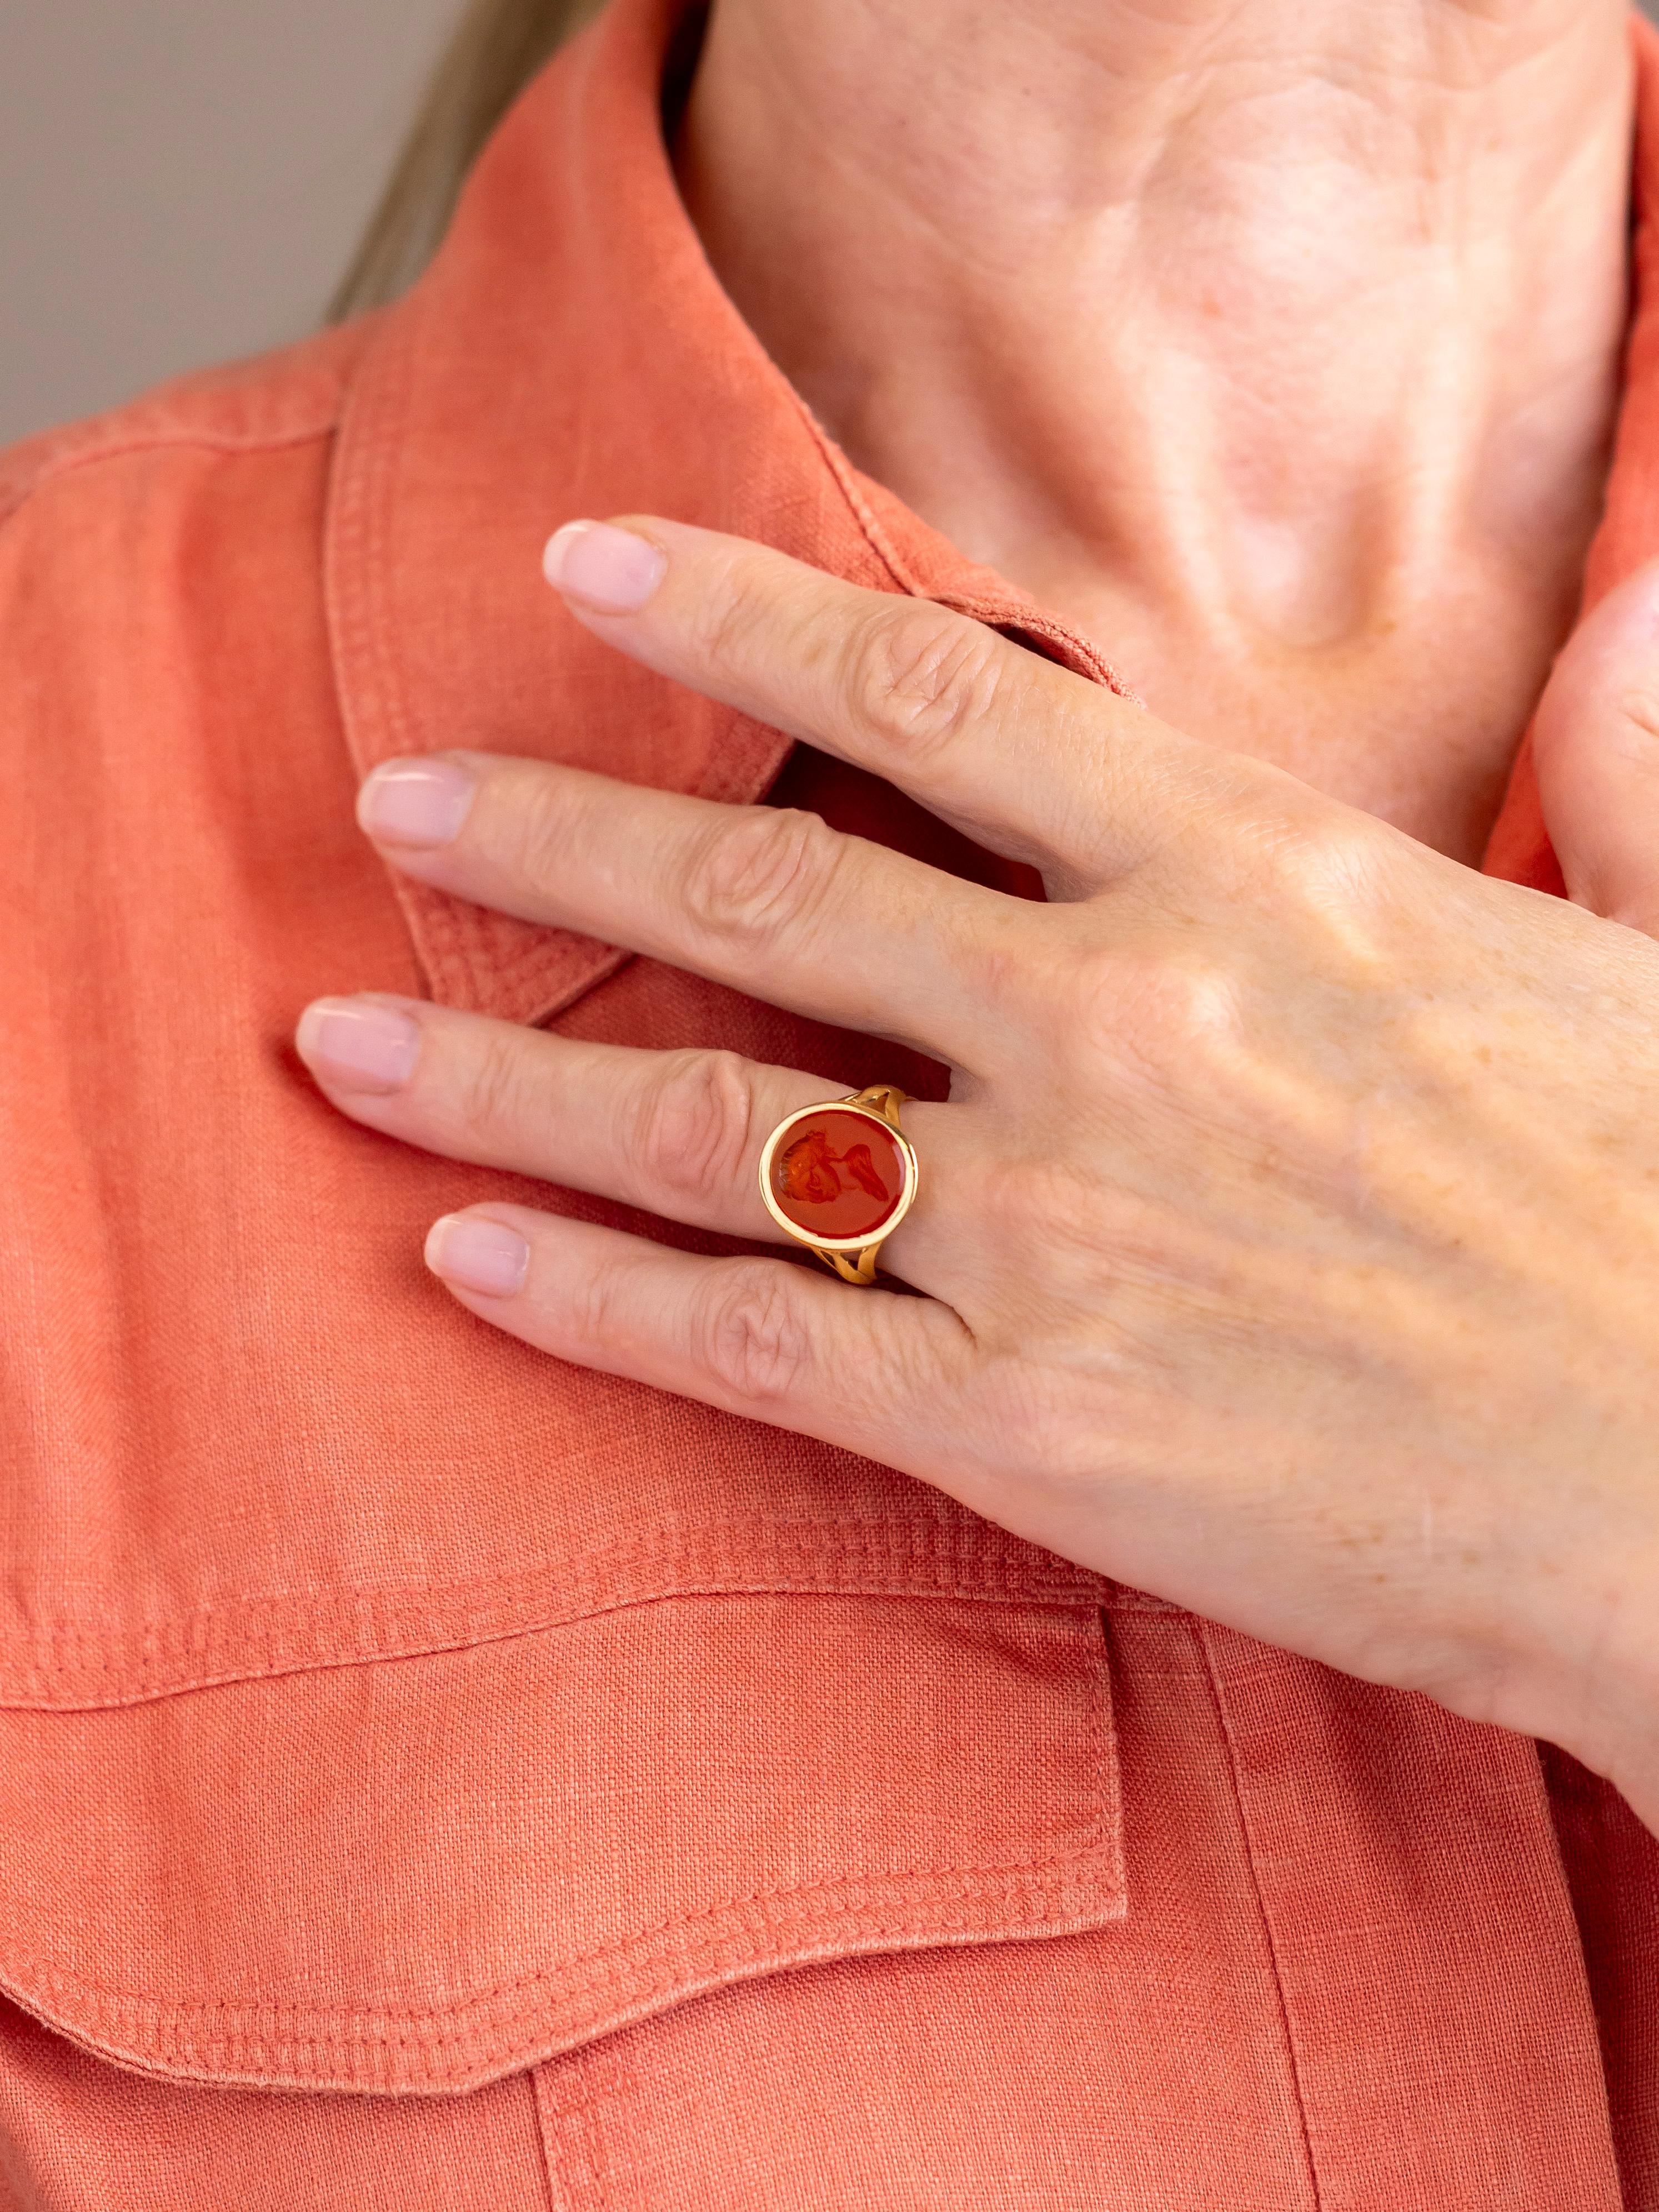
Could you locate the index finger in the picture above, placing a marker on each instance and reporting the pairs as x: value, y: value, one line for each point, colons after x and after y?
x: 1031, y: 760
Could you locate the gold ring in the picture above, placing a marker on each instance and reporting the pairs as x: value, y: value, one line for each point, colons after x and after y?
x: 840, y: 1177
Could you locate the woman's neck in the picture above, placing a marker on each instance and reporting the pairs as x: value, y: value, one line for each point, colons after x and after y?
x: 1268, y: 341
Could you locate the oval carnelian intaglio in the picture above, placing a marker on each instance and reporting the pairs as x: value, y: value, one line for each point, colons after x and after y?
x: 838, y: 1172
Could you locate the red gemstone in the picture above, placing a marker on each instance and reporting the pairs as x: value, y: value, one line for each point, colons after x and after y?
x: 838, y: 1174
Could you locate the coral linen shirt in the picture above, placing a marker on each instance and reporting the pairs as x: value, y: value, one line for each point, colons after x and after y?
x: 432, y: 1776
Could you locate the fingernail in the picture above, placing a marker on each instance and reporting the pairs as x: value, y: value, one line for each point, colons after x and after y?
x: 605, y: 567
x: 474, y: 1254
x: 356, y: 1044
x: 417, y: 802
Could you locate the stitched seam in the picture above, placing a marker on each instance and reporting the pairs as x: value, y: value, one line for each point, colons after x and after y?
x: 600, y: 1963
x: 571, y: 2125
x: 1036, y: 623
x: 354, y: 552
x: 1011, y: 1589
x: 883, y: 1561
x: 1212, y: 1667
x: 1109, y: 1784
x: 1034, y: 619
x: 54, y: 471
x: 412, y: 2027
x: 919, y: 1543
x: 363, y: 2066
x: 374, y: 2053
x: 880, y: 544
x: 460, y: 948
x: 278, y: 1666
x: 559, y: 2198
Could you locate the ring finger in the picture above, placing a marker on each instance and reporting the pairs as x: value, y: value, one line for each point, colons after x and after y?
x: 675, y: 1133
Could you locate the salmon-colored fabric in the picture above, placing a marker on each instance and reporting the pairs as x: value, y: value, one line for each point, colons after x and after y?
x: 431, y: 1777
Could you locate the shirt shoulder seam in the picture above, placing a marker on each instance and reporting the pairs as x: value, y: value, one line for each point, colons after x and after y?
x: 53, y: 467
x: 271, y: 403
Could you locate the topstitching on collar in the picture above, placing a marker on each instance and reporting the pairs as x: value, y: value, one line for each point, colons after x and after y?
x: 570, y: 352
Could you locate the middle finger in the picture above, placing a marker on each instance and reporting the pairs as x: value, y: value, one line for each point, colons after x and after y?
x: 772, y: 901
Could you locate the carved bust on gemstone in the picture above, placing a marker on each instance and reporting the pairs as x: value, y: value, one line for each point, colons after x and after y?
x: 838, y: 1177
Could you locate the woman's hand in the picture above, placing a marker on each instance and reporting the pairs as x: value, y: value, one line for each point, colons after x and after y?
x: 1291, y: 1239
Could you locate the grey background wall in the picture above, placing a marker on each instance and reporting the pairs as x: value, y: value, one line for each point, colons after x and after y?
x: 181, y: 180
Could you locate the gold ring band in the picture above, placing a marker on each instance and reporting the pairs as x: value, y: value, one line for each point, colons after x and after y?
x: 840, y: 1176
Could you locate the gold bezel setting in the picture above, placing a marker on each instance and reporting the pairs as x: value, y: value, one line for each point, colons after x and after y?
x: 829, y: 1248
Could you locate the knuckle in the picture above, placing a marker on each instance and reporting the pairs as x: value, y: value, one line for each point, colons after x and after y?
x: 759, y: 872
x: 756, y: 1343
x: 531, y: 834
x: 1170, y: 1008
x: 494, y: 1104
x: 728, y: 618
x: 691, y: 1126
x: 1329, y: 862
x: 1186, y: 1002
x: 592, y: 1319
x: 919, y: 675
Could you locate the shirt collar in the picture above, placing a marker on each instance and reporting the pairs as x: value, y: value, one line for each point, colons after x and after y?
x: 571, y: 352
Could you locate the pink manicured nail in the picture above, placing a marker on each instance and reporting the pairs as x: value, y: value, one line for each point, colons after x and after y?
x: 417, y: 802
x: 606, y: 568
x: 475, y: 1254
x: 356, y: 1044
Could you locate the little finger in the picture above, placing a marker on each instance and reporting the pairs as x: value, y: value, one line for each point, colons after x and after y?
x: 867, y: 1370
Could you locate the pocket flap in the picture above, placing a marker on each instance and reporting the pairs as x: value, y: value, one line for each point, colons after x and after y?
x: 420, y: 1873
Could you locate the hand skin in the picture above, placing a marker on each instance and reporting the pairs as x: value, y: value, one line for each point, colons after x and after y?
x: 1290, y: 1242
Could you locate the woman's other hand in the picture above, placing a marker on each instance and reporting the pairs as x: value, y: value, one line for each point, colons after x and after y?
x: 1291, y: 1239
x: 1595, y: 745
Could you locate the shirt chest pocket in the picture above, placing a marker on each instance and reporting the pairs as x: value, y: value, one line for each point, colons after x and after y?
x: 420, y: 1873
